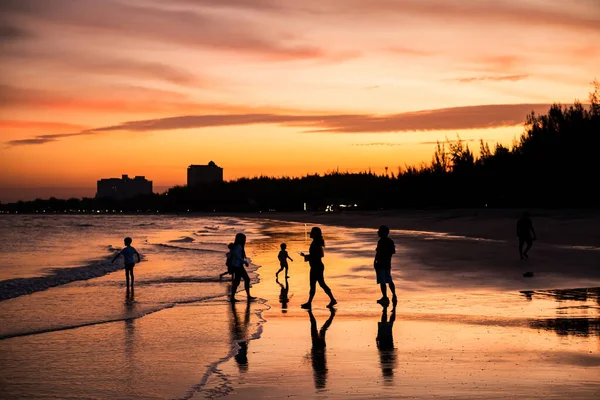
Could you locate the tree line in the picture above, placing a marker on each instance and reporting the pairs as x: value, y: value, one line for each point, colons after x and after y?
x: 555, y: 163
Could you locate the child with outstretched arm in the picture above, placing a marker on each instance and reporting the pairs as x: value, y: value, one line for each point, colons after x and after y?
x: 128, y: 252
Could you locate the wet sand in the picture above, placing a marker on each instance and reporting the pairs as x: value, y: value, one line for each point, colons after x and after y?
x: 468, y: 324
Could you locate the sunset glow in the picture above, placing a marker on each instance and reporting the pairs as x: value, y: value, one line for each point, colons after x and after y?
x: 93, y: 89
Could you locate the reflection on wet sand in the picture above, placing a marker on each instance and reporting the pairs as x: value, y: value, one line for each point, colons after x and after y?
x: 283, y: 295
x: 317, y: 354
x: 385, y: 345
x: 573, y: 319
x: 130, y: 341
x: 239, y: 334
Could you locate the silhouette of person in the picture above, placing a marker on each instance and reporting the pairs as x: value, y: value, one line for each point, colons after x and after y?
x: 385, y: 344
x: 283, y: 257
x: 239, y: 334
x: 283, y: 295
x: 238, y: 260
x: 128, y: 252
x: 383, y: 264
x: 317, y: 353
x: 228, y: 262
x: 317, y: 268
x: 526, y: 234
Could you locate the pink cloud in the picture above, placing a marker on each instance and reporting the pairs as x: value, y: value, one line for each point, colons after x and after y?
x: 469, y: 117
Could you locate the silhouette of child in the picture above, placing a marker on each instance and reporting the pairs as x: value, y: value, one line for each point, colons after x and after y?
x: 128, y: 252
x: 283, y: 257
x: 228, y: 262
x: 383, y: 264
x: 238, y: 260
x: 317, y: 268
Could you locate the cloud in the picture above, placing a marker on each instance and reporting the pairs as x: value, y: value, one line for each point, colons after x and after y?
x: 493, y: 78
x: 193, y: 27
x: 9, y: 32
x: 377, y: 144
x: 118, y: 99
x: 457, y: 118
x: 576, y: 14
x: 407, y: 51
x: 39, y: 125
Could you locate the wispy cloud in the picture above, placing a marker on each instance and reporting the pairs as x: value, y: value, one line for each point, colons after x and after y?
x: 377, y: 144
x: 156, y: 22
x: 492, y: 78
x: 470, y: 117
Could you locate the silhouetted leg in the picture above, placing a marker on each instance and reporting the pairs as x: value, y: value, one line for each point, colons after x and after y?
x: 131, y: 272
x: 311, y: 292
x: 383, y: 290
x: 529, y: 244
x: 246, y: 283
x: 127, y: 278
x: 234, y: 285
x: 326, y: 289
x: 286, y: 272
x: 393, y: 290
x: 521, y: 243
x: 277, y: 273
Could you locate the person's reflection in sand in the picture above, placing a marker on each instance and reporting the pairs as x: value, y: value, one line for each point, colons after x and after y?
x: 283, y: 295
x: 385, y: 345
x: 239, y: 334
x: 317, y: 354
x: 130, y: 341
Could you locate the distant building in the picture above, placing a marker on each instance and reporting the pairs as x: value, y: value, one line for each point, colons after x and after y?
x: 199, y: 174
x: 124, y: 188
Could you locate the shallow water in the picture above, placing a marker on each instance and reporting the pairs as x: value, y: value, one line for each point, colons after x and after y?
x: 467, y: 325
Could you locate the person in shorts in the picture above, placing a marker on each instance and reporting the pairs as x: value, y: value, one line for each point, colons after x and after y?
x: 383, y: 264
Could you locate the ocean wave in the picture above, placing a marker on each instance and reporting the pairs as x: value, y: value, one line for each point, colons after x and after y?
x: 184, y: 239
x: 21, y: 286
x: 130, y: 317
x: 170, y: 246
x: 180, y: 279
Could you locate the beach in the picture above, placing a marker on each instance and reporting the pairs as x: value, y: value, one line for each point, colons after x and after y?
x: 467, y: 325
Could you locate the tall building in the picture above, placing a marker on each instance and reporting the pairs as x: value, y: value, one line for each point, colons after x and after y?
x: 199, y: 174
x: 124, y: 188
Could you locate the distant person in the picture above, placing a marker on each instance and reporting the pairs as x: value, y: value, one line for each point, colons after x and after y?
x: 385, y: 344
x: 128, y: 252
x: 317, y: 353
x: 228, y: 262
x: 317, y: 268
x: 283, y: 256
x: 526, y: 234
x: 238, y: 260
x: 283, y: 295
x: 383, y: 264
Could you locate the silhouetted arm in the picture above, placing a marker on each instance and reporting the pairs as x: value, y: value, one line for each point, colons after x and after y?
x: 139, y: 257
x: 115, y: 259
x: 288, y: 256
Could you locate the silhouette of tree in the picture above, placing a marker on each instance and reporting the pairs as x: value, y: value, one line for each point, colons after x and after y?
x: 553, y: 164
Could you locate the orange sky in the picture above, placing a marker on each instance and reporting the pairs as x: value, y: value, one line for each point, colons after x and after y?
x: 93, y: 89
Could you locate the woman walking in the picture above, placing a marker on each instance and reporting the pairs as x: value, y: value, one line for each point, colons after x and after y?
x: 238, y: 260
x: 314, y: 258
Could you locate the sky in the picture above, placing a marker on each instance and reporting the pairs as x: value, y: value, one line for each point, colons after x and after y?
x: 93, y: 89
